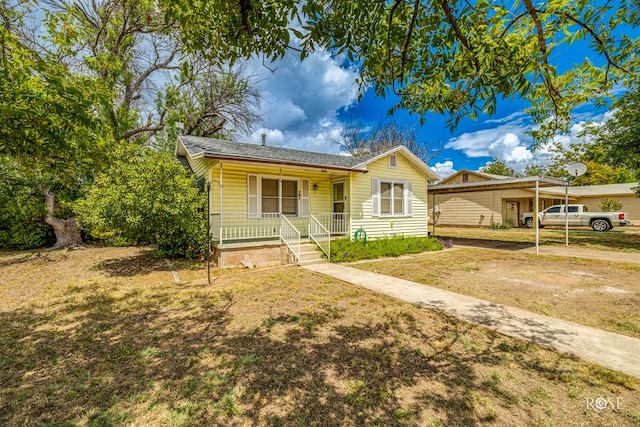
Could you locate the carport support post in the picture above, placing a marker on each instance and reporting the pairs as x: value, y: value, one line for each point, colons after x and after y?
x: 566, y: 215
x: 535, y: 215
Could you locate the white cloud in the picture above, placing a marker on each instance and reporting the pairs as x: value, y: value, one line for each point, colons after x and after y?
x: 444, y: 169
x: 509, y: 141
x: 301, y: 100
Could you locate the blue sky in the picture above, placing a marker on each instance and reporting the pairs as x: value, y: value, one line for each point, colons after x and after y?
x: 305, y: 103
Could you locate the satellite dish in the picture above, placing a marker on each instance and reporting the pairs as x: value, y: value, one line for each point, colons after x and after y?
x: 576, y: 169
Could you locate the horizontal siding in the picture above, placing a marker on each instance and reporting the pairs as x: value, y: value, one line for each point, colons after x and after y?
x: 457, y: 179
x: 200, y: 165
x: 234, y: 189
x: 473, y: 208
x: 361, y: 217
x: 630, y: 205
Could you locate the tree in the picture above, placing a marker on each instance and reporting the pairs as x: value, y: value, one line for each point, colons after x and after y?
x: 147, y: 196
x: 133, y: 48
x: 359, y: 141
x: 616, y: 143
x: 50, y: 133
x: 88, y: 80
x: 455, y: 57
x: 498, y: 167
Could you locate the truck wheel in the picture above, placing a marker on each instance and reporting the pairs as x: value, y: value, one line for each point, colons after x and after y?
x: 528, y: 222
x: 600, y: 225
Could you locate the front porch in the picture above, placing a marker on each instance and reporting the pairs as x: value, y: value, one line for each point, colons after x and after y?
x: 264, y: 234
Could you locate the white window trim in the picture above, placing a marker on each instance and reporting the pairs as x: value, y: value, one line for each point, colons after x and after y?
x: 302, y: 209
x: 407, y: 198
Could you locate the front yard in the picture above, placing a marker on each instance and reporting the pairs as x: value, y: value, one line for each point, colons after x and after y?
x: 106, y: 337
x: 618, y: 239
x: 601, y: 294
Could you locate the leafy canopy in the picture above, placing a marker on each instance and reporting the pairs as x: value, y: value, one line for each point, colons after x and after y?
x: 498, y: 167
x: 454, y: 57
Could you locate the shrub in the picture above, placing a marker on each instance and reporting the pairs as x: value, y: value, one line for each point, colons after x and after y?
x: 21, y: 212
x: 147, y: 197
x: 351, y: 250
x: 608, y: 205
x: 500, y: 226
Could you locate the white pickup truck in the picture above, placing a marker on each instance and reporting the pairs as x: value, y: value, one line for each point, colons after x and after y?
x: 579, y: 215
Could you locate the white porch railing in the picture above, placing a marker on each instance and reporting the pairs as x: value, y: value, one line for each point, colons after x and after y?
x: 290, y: 236
x: 335, y: 223
x: 244, y: 226
x: 320, y: 235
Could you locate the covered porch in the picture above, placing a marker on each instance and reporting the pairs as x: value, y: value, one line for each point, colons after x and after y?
x: 260, y: 206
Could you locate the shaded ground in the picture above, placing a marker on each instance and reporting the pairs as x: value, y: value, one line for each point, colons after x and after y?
x: 84, y: 340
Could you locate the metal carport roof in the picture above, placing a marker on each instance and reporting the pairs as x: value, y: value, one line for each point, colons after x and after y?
x: 528, y: 182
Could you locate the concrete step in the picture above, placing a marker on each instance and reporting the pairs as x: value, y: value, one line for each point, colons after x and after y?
x: 308, y: 247
x: 312, y: 262
x: 307, y: 256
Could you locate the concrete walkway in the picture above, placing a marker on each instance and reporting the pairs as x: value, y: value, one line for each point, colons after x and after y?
x: 613, y: 351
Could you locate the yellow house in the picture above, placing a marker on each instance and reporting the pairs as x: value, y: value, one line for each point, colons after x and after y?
x: 266, y: 201
x: 472, y: 198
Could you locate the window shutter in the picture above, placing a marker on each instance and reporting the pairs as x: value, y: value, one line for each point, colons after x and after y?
x: 304, y: 199
x: 408, y: 198
x: 393, y: 161
x: 252, y: 196
x: 375, y: 197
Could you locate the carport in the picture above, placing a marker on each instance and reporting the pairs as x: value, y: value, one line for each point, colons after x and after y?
x: 527, y: 183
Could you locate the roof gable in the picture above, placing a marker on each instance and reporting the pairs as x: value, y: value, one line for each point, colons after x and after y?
x: 477, y: 174
x: 407, y: 154
x: 194, y: 147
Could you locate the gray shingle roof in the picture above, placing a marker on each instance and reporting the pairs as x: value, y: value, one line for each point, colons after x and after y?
x: 218, y: 148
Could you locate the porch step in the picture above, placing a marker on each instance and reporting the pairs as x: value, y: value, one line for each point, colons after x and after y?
x: 310, y: 254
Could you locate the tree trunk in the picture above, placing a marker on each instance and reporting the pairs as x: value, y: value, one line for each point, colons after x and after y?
x: 66, y: 230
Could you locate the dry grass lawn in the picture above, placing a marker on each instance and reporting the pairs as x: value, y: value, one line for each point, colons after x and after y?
x: 604, y: 295
x: 625, y: 239
x: 105, y: 337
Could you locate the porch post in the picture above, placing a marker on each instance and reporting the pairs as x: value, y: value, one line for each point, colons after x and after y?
x: 350, y: 202
x: 535, y: 215
x: 566, y: 214
x: 220, y: 193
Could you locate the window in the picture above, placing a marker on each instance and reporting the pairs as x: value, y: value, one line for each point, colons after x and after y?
x: 465, y: 177
x: 393, y: 161
x: 391, y: 198
x: 274, y: 195
x: 572, y: 209
x: 554, y: 209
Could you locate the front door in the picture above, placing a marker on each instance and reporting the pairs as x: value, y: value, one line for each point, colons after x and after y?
x: 339, y: 223
x: 512, y: 213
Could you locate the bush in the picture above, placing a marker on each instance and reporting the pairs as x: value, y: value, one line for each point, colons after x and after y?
x: 500, y: 226
x: 351, y: 250
x: 608, y: 205
x: 21, y: 212
x: 147, y: 197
